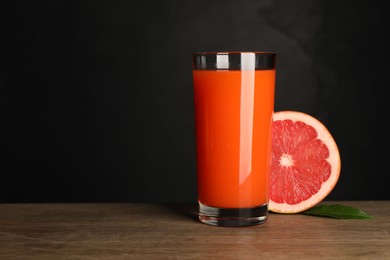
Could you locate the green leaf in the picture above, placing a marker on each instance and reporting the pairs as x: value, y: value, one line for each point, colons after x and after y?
x: 337, y: 211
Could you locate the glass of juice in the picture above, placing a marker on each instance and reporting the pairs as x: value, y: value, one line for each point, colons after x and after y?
x: 234, y: 105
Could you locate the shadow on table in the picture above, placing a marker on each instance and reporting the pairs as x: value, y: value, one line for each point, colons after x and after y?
x: 188, y: 210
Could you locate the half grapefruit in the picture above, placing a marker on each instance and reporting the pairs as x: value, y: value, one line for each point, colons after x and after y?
x: 305, y: 163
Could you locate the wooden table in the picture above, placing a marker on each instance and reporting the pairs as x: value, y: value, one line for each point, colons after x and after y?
x: 171, y: 231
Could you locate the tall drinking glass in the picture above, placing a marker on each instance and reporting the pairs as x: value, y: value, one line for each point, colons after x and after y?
x: 234, y: 105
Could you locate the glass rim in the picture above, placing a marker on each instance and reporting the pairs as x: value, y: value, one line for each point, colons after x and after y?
x: 233, y: 60
x: 231, y: 52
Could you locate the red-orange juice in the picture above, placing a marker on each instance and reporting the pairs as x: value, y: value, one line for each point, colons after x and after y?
x: 233, y: 119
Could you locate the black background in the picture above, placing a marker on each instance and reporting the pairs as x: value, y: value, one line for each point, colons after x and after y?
x: 96, y: 96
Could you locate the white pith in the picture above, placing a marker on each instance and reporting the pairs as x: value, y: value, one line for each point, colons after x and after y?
x: 286, y: 160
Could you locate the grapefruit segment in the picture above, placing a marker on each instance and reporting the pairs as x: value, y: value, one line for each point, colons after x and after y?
x: 305, y: 162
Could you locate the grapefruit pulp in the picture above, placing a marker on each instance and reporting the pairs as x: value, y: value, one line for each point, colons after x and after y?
x: 305, y: 162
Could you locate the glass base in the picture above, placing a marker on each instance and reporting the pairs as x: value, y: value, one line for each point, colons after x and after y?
x: 233, y: 217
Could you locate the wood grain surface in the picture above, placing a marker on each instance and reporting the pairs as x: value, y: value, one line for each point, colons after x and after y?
x: 172, y: 231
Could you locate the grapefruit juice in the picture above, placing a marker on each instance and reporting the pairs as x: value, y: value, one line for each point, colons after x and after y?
x: 233, y: 119
x: 234, y: 104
